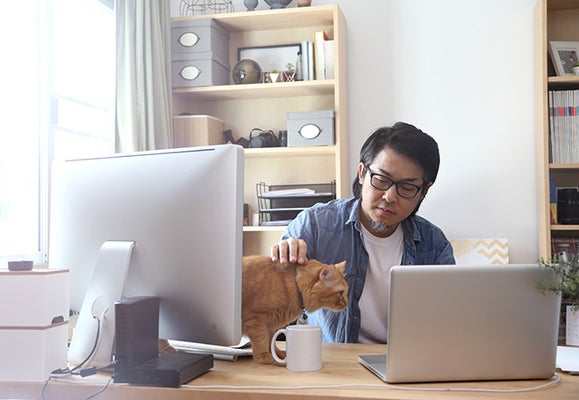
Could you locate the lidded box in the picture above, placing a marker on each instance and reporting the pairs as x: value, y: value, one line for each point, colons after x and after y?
x: 312, y: 128
x: 199, y: 36
x: 199, y: 53
x: 198, y: 69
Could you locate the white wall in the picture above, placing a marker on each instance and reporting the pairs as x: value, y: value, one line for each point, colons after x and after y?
x: 461, y: 70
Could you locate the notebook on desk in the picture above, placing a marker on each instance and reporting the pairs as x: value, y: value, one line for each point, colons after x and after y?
x: 468, y: 323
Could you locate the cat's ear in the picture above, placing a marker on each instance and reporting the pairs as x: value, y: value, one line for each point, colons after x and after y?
x: 329, y: 275
x: 341, y: 266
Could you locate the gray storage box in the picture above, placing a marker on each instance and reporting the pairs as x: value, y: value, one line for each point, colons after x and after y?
x: 199, y: 36
x: 199, y: 69
x: 313, y: 128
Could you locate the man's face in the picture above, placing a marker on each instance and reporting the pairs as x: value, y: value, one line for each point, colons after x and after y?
x: 383, y: 210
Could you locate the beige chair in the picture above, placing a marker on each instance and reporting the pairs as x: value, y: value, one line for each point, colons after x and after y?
x: 480, y: 251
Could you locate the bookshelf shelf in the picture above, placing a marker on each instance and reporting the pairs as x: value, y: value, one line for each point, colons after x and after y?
x: 564, y: 167
x: 570, y: 228
x: 564, y: 79
x: 258, y: 90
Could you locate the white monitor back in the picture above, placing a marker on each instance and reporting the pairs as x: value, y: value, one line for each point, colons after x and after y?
x: 183, y: 208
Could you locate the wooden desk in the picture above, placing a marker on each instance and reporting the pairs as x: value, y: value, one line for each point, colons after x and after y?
x: 340, y: 367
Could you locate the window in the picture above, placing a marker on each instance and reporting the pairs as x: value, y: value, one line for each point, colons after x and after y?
x: 58, y: 102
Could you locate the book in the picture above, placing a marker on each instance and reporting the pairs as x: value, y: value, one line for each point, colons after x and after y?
x: 310, y: 61
x: 307, y: 59
x: 319, y: 57
x: 324, y: 56
x: 553, y: 200
x: 329, y: 58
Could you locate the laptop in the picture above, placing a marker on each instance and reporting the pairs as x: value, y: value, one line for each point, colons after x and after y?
x: 468, y: 323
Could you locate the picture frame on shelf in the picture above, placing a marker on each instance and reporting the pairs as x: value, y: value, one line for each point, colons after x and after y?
x: 564, y: 55
x: 270, y: 58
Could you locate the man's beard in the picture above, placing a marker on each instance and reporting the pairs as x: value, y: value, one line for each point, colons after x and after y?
x: 378, y: 227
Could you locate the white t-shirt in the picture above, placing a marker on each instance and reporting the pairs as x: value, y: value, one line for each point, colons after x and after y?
x: 384, y: 253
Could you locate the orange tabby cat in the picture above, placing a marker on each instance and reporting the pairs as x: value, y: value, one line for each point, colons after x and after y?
x: 275, y: 295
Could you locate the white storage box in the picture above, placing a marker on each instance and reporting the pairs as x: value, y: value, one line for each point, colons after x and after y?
x: 31, y: 354
x: 197, y: 130
x: 36, y: 298
x: 199, y: 69
x: 199, y: 36
x: 33, y: 323
x: 313, y: 128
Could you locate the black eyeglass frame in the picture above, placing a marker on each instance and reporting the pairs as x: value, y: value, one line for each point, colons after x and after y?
x: 393, y: 182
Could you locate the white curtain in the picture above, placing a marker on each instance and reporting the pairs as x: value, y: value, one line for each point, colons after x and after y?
x: 143, y: 88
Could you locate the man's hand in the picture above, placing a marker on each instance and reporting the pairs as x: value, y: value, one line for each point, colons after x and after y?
x: 291, y: 250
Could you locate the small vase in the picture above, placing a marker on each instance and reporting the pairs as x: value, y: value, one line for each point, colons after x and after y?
x: 288, y: 76
x: 274, y: 4
x: 576, y: 70
x: 250, y: 4
x: 304, y: 3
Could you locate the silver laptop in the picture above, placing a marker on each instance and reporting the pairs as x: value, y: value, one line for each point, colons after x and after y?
x: 468, y: 323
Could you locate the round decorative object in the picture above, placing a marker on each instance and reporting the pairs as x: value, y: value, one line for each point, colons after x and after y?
x: 246, y: 71
x: 250, y: 4
x: 278, y: 3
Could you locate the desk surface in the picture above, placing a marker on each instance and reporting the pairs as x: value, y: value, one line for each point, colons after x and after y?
x: 340, y: 366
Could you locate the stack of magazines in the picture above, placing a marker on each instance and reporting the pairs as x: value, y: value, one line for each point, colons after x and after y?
x: 564, y: 126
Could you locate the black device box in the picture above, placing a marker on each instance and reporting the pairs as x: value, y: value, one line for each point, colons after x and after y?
x: 568, y: 206
x: 170, y: 369
x: 137, y: 333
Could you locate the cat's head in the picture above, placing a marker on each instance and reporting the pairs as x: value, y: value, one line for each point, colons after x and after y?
x: 329, y: 289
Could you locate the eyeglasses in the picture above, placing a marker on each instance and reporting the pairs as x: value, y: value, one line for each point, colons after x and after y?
x: 404, y: 189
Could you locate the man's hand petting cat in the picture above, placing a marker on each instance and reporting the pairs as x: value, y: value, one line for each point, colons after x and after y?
x: 290, y: 250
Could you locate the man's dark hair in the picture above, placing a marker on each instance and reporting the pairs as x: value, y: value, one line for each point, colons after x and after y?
x: 404, y: 139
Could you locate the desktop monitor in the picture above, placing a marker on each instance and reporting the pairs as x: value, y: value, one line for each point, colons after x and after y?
x: 181, y: 211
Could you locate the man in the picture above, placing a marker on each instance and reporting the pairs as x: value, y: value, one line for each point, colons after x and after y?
x: 373, y: 231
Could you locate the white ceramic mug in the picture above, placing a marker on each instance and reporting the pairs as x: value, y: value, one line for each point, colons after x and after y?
x: 303, y: 347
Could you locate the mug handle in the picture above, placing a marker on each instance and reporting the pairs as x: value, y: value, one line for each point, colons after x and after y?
x: 274, y: 347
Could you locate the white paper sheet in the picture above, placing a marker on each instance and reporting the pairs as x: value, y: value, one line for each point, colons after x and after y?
x: 568, y: 359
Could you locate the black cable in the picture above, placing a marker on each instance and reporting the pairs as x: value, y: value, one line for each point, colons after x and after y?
x: 92, y: 396
x: 94, y: 347
x: 42, y: 394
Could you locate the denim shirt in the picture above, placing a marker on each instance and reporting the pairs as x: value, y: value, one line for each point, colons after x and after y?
x: 333, y: 234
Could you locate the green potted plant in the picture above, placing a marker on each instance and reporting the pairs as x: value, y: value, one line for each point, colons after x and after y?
x: 289, y: 72
x: 274, y: 75
x: 576, y: 67
x: 566, y: 271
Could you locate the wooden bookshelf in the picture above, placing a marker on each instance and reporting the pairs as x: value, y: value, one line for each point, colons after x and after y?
x: 264, y: 105
x: 554, y: 20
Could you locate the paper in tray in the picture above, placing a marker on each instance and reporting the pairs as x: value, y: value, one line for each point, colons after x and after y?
x: 288, y: 192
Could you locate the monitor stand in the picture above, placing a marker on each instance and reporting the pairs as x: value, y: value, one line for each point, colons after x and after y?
x: 96, y: 321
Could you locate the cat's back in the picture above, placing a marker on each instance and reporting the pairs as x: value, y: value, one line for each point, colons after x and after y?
x: 262, y: 267
x: 261, y: 276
